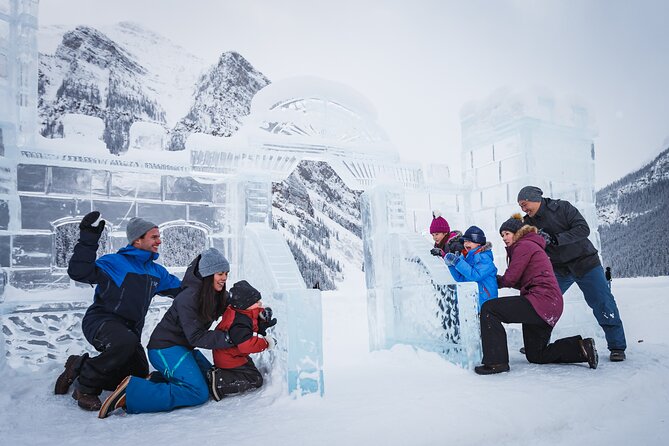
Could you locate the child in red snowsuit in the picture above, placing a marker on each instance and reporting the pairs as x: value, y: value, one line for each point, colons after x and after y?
x: 244, y: 318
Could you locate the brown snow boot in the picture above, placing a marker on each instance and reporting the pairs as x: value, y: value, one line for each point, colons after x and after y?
x: 65, y: 379
x: 87, y: 401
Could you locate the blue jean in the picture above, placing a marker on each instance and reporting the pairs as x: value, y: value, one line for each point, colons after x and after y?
x: 598, y: 297
x: 184, y: 373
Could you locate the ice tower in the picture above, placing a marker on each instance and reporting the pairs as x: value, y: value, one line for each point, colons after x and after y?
x: 511, y: 140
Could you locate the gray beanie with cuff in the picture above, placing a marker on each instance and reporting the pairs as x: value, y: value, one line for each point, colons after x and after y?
x: 137, y: 227
x: 211, y: 262
x: 530, y: 193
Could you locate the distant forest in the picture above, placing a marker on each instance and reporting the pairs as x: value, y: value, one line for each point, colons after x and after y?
x: 640, y: 247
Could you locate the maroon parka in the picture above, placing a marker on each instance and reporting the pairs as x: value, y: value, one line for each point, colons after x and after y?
x: 531, y: 272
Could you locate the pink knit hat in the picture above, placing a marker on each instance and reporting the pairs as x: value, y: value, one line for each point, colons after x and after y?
x: 439, y: 224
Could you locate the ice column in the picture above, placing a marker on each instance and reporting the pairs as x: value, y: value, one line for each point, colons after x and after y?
x: 269, y: 266
x: 412, y: 297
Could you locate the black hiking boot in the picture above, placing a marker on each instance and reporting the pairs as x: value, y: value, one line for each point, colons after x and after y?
x: 65, y: 379
x: 590, y: 352
x: 212, y: 377
x: 116, y: 400
x: 617, y: 355
x: 491, y: 369
x: 87, y: 401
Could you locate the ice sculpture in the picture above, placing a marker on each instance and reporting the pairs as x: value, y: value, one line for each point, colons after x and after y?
x: 269, y: 265
x: 512, y: 139
x: 217, y: 193
x: 412, y: 297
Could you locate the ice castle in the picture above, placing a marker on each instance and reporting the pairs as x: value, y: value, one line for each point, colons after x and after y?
x: 217, y: 193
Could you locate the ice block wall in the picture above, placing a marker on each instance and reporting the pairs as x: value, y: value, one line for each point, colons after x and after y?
x: 412, y: 297
x: 514, y: 139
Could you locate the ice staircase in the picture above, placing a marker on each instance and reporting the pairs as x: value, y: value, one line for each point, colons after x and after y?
x: 268, y: 265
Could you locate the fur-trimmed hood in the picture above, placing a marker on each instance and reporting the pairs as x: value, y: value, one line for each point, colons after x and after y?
x: 486, y: 247
x: 524, y: 230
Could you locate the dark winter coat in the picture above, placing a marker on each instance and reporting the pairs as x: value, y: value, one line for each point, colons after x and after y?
x: 530, y: 272
x: 573, y: 253
x: 126, y: 283
x: 241, y: 326
x: 477, y: 266
x: 182, y: 324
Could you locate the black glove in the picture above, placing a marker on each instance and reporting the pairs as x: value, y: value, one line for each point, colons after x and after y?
x: 550, y: 239
x: 437, y: 252
x: 456, y: 246
x: 265, y: 314
x: 265, y: 320
x: 87, y: 223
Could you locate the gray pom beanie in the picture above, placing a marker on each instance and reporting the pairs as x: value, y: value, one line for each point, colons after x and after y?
x: 211, y: 262
x: 530, y: 193
x: 137, y: 227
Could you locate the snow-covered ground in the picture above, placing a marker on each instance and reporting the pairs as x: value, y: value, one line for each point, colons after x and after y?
x: 396, y: 397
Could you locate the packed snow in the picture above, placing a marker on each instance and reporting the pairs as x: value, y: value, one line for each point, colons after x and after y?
x: 400, y: 396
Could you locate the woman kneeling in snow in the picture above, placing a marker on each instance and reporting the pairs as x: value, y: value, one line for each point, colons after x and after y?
x: 181, y: 376
x: 538, y: 307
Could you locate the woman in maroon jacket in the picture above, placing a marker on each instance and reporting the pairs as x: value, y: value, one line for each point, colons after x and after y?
x: 538, y: 307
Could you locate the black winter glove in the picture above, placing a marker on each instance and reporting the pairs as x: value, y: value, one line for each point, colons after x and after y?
x: 87, y: 223
x: 550, y: 239
x: 437, y: 252
x: 265, y: 320
x: 456, y: 246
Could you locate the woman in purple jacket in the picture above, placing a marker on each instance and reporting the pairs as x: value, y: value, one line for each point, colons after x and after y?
x: 538, y: 307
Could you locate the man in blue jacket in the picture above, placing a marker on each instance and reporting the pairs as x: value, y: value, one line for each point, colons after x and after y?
x: 575, y: 259
x: 126, y: 283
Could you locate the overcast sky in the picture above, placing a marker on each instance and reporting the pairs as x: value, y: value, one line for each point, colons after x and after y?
x: 419, y: 61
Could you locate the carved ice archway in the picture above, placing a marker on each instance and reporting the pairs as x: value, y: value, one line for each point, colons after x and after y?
x: 321, y: 110
x: 65, y: 236
x: 321, y: 120
x: 182, y: 240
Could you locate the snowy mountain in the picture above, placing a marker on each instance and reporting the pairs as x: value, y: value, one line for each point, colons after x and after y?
x: 125, y: 73
x: 633, y: 214
x: 320, y: 218
x: 222, y: 96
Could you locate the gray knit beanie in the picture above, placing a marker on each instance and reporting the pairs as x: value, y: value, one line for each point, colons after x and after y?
x: 530, y: 193
x: 137, y: 227
x: 211, y: 262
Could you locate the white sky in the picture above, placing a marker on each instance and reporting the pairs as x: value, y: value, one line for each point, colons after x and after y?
x: 419, y: 61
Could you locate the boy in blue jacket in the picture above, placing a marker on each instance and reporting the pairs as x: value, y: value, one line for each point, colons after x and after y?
x: 475, y: 264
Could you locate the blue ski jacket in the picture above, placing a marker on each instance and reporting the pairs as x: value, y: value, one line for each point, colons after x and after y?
x: 477, y: 266
x: 126, y: 283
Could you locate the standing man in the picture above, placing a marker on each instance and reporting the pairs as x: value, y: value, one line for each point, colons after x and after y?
x: 126, y: 283
x: 607, y: 274
x: 575, y: 259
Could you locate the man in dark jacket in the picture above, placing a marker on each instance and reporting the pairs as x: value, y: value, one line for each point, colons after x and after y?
x: 126, y: 283
x: 575, y: 259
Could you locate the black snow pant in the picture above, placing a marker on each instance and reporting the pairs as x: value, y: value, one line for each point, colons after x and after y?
x: 536, y: 334
x: 237, y: 380
x: 121, y: 354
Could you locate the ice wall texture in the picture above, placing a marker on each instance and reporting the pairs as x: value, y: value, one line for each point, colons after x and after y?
x: 270, y: 267
x: 412, y: 297
x: 511, y: 140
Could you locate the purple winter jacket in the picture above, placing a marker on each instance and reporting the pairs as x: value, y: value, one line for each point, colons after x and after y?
x: 531, y: 272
